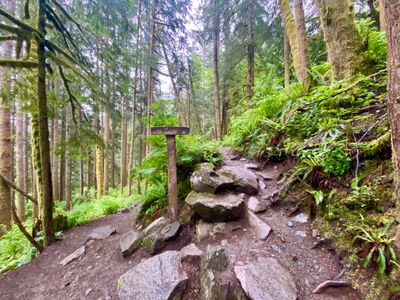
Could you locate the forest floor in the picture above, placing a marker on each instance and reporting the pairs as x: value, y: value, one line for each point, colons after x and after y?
x: 95, y: 274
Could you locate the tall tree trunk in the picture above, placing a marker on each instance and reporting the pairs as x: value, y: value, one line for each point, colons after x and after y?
x: 67, y: 185
x: 373, y: 13
x: 250, y: 48
x: 342, y: 38
x: 392, y: 15
x: 295, y: 30
x: 55, y: 165
x: 19, y: 158
x: 44, y: 145
x: 123, y: 146
x: 302, y: 44
x: 382, y: 19
x: 286, y: 59
x: 81, y: 163
x: 134, y: 101
x: 61, y: 190
x: 35, y: 208
x: 99, y: 164
x: 5, y: 140
x: 89, y: 170
x: 216, y: 41
x: 113, y: 128
x: 26, y: 155
x: 141, y: 146
x: 106, y: 152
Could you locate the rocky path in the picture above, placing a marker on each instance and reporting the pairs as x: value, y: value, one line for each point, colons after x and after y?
x: 254, y: 251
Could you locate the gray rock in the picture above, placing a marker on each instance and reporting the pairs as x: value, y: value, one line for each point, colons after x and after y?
x: 211, y: 287
x: 155, y: 226
x: 290, y: 223
x: 88, y: 291
x: 251, y: 166
x: 261, y: 184
x: 191, y: 254
x: 206, y: 180
x: 130, y: 242
x: 276, y: 249
x: 214, y: 208
x: 265, y: 278
x: 260, y: 227
x: 78, y: 253
x: 244, y: 180
x: 158, y: 237
x: 160, y: 277
x: 256, y: 205
x: 203, y: 230
x: 101, y: 232
x: 300, y: 218
x: 300, y: 234
x: 215, y: 259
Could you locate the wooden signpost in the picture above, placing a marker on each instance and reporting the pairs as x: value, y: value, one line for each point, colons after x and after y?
x: 170, y: 132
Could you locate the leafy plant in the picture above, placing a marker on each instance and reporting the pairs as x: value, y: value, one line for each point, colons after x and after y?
x: 376, y: 244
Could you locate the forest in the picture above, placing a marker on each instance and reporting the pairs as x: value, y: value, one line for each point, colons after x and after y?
x: 288, y: 185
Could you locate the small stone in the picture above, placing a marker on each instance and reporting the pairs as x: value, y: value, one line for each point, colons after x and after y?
x: 261, y: 184
x: 73, y: 256
x: 122, y: 211
x: 224, y: 243
x: 251, y: 166
x: 275, y: 167
x: 155, y: 226
x: 243, y: 159
x: 290, y: 224
x: 300, y: 218
x: 300, y: 234
x: 276, y: 249
x: 170, y: 231
x: 88, y: 291
x: 256, y: 205
x: 203, y: 230
x: 314, y: 233
x: 260, y: 227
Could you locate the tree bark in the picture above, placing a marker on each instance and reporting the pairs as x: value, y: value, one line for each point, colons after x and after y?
x: 5, y: 142
x: 216, y: 41
x: 67, y: 185
x: 392, y: 15
x: 47, y: 208
x: 382, y: 19
x: 373, y: 13
x: 55, y: 165
x: 250, y: 49
x: 19, y: 158
x: 113, y: 128
x: 61, y: 190
x: 286, y: 59
x: 99, y: 164
x: 342, y: 38
x: 124, y: 142
x: 106, y: 152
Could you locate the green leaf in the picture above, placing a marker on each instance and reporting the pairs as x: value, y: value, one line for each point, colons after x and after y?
x: 367, y: 259
x: 381, y: 261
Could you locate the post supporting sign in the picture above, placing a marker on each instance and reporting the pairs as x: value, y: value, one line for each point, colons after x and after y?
x: 170, y: 132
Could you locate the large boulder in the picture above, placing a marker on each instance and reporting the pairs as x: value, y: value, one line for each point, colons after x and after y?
x: 160, y: 277
x: 266, y: 278
x: 205, y: 180
x: 215, y: 208
x: 244, y: 180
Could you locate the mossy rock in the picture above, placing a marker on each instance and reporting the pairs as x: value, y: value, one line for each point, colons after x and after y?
x: 380, y: 147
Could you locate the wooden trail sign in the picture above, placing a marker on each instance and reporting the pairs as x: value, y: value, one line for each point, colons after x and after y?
x: 170, y: 132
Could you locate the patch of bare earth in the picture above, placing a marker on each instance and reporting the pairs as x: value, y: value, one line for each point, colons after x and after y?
x: 95, y: 275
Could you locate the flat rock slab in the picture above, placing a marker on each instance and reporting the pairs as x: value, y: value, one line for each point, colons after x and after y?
x: 266, y: 279
x: 215, y: 208
x: 130, y: 242
x: 78, y: 253
x: 261, y: 228
x: 155, y: 226
x: 160, y: 277
x: 102, y: 232
x: 256, y: 205
x: 244, y: 180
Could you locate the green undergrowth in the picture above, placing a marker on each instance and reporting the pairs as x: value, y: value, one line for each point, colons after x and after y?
x: 15, y: 249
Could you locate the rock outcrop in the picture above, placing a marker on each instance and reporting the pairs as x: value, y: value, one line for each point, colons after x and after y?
x: 244, y: 180
x: 206, y: 180
x: 215, y: 208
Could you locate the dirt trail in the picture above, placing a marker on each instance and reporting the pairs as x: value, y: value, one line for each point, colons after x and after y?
x: 95, y: 275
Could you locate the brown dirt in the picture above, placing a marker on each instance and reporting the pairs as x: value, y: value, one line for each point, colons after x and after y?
x: 102, y: 264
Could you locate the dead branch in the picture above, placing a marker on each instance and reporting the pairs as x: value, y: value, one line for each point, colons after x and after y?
x: 331, y: 283
x: 22, y: 192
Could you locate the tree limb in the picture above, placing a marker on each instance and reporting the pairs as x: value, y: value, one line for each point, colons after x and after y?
x: 22, y: 192
x: 11, y: 63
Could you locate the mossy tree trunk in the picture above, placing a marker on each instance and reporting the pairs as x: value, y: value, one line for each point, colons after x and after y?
x: 216, y: 42
x: 250, y: 49
x: 124, y: 142
x: 19, y: 158
x: 44, y: 144
x: 55, y: 161
x: 98, y: 163
x: 342, y: 38
x: 392, y: 15
x: 286, y: 60
x: 68, y: 163
x: 382, y: 21
x: 106, y: 152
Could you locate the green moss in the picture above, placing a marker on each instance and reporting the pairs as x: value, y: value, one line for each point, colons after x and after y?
x: 378, y: 147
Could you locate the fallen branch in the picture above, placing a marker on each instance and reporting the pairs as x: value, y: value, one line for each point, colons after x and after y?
x: 23, y: 193
x: 331, y: 283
